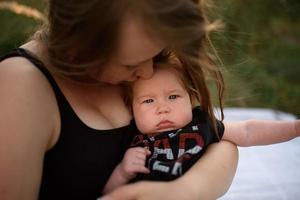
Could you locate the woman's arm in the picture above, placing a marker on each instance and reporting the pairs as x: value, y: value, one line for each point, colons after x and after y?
x: 260, y: 132
x: 209, y: 178
x: 26, y: 124
x: 212, y: 175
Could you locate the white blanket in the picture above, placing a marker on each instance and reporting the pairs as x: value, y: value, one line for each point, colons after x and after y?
x: 265, y: 172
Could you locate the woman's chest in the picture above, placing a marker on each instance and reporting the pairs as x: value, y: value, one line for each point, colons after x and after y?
x: 99, y: 107
x: 81, y: 162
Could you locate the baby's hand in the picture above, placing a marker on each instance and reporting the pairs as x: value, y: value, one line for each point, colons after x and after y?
x: 134, y: 162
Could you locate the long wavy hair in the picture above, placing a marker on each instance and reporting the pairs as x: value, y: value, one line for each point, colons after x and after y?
x: 80, y: 36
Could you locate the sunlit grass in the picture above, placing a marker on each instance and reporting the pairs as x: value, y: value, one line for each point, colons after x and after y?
x: 20, y: 9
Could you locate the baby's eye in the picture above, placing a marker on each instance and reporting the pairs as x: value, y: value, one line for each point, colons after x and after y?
x: 148, y: 101
x: 174, y: 96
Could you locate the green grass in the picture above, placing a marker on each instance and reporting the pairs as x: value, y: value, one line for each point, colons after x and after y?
x: 260, y: 46
x: 14, y: 30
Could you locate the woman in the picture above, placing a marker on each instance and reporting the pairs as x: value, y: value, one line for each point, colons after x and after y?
x: 63, y: 116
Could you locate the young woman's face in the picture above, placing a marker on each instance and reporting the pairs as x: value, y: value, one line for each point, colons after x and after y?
x: 133, y: 58
x: 161, y: 103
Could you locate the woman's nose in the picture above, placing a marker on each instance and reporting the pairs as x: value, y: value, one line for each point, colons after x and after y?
x: 145, y: 70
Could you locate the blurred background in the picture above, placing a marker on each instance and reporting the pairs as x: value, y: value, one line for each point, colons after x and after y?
x: 260, y: 49
x: 259, y: 46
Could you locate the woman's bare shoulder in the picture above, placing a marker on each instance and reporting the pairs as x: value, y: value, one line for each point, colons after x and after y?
x: 28, y: 121
x: 27, y: 98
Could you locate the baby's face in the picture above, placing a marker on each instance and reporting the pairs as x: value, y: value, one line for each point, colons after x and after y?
x: 161, y: 103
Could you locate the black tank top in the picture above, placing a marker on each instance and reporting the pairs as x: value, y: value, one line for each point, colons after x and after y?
x: 80, y: 163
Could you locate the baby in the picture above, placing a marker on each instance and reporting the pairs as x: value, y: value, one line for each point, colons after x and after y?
x: 174, y: 132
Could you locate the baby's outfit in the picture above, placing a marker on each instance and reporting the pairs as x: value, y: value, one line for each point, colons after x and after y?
x: 174, y: 152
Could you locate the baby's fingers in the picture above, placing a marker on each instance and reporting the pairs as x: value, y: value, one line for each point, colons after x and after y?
x: 143, y: 150
x: 142, y: 169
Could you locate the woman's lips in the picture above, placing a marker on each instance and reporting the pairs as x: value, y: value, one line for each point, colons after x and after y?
x: 164, y: 124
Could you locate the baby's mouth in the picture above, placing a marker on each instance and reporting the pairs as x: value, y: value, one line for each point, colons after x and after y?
x: 165, y: 124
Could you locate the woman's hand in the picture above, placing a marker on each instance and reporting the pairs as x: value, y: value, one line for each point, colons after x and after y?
x: 208, y: 179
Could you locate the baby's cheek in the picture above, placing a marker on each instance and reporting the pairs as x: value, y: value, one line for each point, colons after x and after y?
x: 143, y: 128
x: 185, y: 120
x: 141, y: 124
